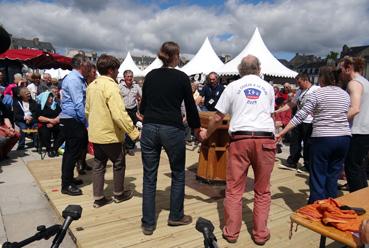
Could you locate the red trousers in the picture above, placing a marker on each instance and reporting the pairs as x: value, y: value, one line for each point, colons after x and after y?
x: 260, y: 154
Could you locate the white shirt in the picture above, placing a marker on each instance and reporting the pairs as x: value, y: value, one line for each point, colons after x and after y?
x: 250, y: 102
x: 300, y: 100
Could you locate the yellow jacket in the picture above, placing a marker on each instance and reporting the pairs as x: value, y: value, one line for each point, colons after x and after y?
x: 106, y: 114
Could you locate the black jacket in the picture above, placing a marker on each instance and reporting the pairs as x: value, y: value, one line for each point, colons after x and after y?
x: 18, y: 111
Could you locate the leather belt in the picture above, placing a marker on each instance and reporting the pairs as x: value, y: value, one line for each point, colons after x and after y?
x: 255, y: 134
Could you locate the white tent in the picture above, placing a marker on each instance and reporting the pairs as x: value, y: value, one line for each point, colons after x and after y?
x: 57, y: 73
x: 129, y: 64
x: 157, y: 63
x: 269, y: 64
x: 205, y: 61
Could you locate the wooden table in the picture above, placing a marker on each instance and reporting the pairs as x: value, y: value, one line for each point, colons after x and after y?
x: 358, y: 198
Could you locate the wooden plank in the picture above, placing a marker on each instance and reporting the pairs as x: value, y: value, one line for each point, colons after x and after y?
x: 118, y: 225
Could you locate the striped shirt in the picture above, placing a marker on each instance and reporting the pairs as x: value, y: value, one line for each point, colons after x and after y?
x: 329, y: 106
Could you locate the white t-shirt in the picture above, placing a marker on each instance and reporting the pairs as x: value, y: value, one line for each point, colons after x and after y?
x: 300, y: 100
x: 250, y: 102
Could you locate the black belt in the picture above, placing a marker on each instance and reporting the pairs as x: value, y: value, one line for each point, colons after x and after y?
x: 255, y: 133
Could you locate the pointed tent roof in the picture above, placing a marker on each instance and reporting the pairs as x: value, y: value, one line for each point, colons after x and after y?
x: 205, y: 61
x: 269, y: 64
x: 129, y: 64
x: 157, y: 63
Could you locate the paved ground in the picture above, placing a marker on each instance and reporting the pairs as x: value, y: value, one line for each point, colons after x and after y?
x: 22, y: 205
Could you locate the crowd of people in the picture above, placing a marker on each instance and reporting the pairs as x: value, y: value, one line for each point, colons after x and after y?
x: 328, y: 123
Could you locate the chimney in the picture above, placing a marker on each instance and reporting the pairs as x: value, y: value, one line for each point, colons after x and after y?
x: 36, y: 41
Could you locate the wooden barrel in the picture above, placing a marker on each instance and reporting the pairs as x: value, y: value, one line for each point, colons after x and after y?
x: 213, y: 152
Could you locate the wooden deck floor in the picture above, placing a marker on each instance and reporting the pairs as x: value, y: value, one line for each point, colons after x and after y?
x: 118, y: 225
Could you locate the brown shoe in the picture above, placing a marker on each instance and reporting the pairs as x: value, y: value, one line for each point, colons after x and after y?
x: 232, y: 241
x: 125, y: 196
x: 186, y: 219
x: 261, y: 243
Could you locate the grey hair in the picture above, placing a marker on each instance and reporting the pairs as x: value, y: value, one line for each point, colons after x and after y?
x: 249, y: 65
x: 46, y: 74
x: 80, y: 60
x: 18, y: 75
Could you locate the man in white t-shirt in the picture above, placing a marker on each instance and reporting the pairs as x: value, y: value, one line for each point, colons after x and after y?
x: 303, y: 131
x: 250, y: 102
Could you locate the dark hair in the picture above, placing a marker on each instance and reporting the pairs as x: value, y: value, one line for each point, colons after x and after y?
x: 303, y: 76
x: 357, y: 63
x: 36, y: 75
x: 168, y: 52
x: 106, y: 62
x: 327, y: 75
x: 127, y: 72
x: 78, y: 60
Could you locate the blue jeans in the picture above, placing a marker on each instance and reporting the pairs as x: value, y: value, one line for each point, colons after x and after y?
x: 153, y: 138
x: 327, y: 155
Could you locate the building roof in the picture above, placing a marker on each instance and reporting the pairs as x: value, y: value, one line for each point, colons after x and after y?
x: 18, y: 43
x: 143, y: 60
x: 353, y: 51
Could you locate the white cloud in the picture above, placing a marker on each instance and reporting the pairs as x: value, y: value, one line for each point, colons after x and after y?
x: 120, y: 26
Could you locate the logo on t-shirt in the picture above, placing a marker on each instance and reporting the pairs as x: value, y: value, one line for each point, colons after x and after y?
x: 252, y: 93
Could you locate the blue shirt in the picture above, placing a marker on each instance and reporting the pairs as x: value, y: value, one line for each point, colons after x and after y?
x: 73, y: 98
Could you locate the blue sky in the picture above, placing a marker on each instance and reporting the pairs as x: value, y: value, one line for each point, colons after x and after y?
x: 118, y: 26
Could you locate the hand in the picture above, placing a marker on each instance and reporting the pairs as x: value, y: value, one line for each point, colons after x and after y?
x: 139, y: 116
x: 278, y: 124
x: 49, y: 125
x: 278, y: 138
x: 364, y: 232
x: 203, y: 134
x: 54, y: 121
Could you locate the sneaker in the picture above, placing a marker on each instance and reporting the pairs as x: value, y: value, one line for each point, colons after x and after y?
x: 147, y: 230
x: 302, y: 169
x: 231, y: 241
x: 125, y: 196
x: 343, y: 187
x: 186, y: 219
x: 101, y: 202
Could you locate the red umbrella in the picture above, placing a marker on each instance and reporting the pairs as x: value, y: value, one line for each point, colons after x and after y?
x: 37, y: 58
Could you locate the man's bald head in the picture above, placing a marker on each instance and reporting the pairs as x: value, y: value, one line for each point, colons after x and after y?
x: 249, y: 65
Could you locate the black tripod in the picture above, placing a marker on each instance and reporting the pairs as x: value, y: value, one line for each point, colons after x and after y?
x: 70, y: 213
x: 206, y: 228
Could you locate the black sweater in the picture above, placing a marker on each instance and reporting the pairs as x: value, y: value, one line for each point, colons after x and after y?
x: 163, y: 91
